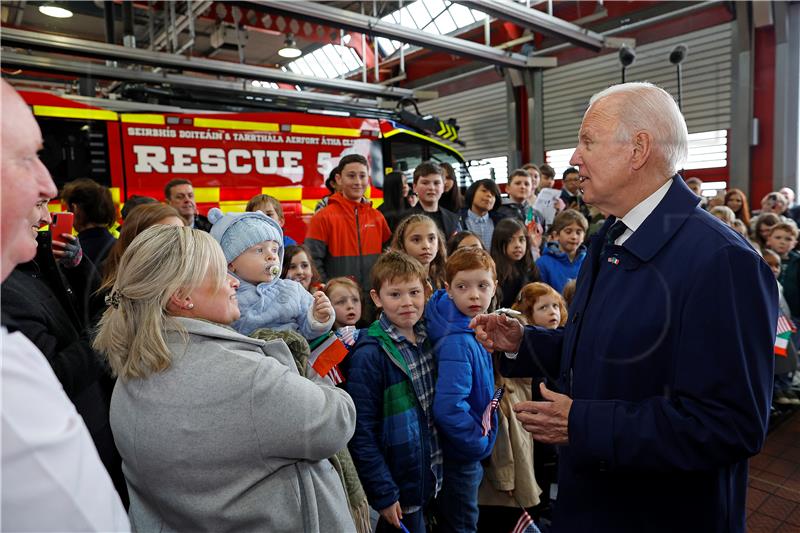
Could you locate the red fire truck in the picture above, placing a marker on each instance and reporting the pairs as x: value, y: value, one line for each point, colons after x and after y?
x: 229, y: 157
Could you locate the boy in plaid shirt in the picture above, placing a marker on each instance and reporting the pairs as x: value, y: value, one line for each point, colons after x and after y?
x: 391, y: 379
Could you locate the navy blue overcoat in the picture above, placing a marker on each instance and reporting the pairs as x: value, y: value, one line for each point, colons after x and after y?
x: 668, y: 356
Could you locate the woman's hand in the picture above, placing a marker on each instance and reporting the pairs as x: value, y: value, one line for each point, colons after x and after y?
x: 322, y: 309
x: 68, y: 253
x: 393, y: 514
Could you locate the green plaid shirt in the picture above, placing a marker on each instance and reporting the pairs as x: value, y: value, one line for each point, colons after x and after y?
x: 419, y: 359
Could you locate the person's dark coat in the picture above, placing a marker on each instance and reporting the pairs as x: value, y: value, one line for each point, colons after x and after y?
x: 669, y: 365
x: 202, y: 223
x: 447, y: 221
x: 96, y: 243
x: 46, y: 304
x: 391, y: 446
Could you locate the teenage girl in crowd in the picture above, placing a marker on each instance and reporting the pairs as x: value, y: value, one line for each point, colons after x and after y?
x: 511, y: 246
x: 395, y: 191
x: 509, y: 481
x: 462, y: 239
x: 298, y: 266
x: 418, y: 236
x: 451, y: 198
x: 562, y: 258
x: 737, y: 201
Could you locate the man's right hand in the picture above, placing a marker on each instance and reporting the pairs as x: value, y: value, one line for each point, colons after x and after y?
x: 393, y: 514
x: 498, y: 332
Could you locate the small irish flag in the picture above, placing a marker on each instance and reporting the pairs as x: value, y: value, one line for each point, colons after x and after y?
x: 783, y: 335
x: 326, y: 352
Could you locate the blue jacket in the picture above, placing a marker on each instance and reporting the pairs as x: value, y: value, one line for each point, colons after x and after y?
x: 555, y: 267
x: 278, y: 304
x: 668, y: 359
x: 391, y: 446
x: 465, y: 382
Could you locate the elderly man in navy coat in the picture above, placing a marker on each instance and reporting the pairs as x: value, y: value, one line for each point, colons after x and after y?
x: 660, y: 384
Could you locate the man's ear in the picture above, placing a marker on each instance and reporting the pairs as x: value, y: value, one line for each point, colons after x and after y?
x: 642, y: 149
x: 376, y: 299
x: 231, y: 268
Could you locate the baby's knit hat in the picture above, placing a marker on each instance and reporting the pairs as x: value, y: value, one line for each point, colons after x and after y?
x: 236, y: 232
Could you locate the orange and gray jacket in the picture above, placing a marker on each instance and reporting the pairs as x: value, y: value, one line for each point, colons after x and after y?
x: 346, y: 238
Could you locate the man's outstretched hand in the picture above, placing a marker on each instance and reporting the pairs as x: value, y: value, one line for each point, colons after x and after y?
x: 497, y: 332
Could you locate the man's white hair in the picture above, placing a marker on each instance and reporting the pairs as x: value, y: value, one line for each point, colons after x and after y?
x: 647, y: 107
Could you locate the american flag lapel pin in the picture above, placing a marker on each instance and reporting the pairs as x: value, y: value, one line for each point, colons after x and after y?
x: 613, y: 260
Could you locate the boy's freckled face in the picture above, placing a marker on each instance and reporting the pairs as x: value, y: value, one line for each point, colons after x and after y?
x: 403, y: 301
x: 472, y: 291
x: 254, y: 265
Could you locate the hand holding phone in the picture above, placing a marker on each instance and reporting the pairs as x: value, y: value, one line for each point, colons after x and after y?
x: 62, y: 223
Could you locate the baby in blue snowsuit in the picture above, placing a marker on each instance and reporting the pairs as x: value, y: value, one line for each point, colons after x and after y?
x: 253, y: 247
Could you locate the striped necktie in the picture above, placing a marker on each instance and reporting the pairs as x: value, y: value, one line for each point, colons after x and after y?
x: 617, y: 229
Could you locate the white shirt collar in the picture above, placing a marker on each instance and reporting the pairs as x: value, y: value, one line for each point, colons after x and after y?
x: 636, y: 216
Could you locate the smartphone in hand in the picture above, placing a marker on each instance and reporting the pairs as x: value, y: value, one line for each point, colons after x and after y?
x: 62, y: 223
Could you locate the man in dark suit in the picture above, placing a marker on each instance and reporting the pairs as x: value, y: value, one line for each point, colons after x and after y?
x: 658, y: 389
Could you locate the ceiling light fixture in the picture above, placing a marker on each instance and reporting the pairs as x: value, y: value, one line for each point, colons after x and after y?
x: 290, y: 49
x: 55, y: 11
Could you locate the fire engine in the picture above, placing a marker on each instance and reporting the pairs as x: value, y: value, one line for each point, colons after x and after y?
x: 229, y: 157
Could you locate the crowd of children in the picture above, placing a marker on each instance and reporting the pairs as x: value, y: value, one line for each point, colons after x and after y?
x: 436, y: 442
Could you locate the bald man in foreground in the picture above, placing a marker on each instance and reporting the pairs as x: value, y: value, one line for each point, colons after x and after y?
x: 658, y: 389
x: 52, y: 477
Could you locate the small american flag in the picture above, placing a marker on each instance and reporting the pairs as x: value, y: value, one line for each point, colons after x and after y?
x: 525, y: 524
x: 347, y: 334
x: 486, y: 421
x: 336, y: 375
x: 785, y: 324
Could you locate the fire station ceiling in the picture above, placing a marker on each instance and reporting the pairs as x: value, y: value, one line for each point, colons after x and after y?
x: 361, y: 51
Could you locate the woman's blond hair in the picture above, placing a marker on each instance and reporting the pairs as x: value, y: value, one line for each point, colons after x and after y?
x: 160, y: 261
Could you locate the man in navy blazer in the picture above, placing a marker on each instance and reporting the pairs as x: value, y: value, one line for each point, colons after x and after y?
x: 661, y: 380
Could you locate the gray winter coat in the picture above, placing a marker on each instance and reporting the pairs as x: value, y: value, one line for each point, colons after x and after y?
x: 227, y: 439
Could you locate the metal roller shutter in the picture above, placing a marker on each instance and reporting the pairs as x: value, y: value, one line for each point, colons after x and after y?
x: 482, y: 117
x: 707, y: 83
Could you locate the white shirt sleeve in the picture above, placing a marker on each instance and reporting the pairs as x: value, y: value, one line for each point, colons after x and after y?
x: 52, y: 477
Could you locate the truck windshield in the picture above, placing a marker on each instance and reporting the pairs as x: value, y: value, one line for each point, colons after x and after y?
x: 408, y: 151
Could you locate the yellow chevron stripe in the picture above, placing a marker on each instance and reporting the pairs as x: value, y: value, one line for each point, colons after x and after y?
x: 430, y: 139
